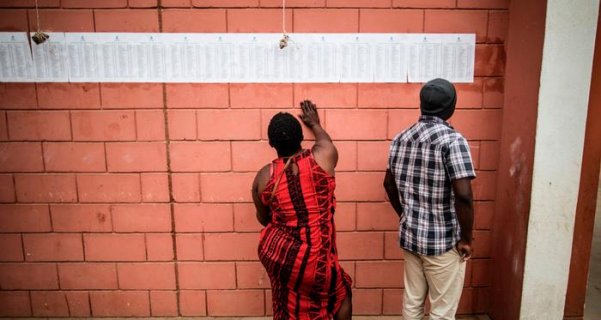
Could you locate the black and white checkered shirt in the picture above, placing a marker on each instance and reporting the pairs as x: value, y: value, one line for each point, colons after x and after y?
x: 424, y: 160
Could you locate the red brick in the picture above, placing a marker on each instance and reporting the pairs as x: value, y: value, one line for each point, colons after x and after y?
x: 498, y: 25
x: 392, y: 301
x: 483, y: 4
x: 222, y: 4
x: 268, y: 303
x: 392, y: 248
x: 192, y: 303
x: 45, y: 188
x: 294, y: 3
x: 356, y: 124
x: 475, y: 153
x: 159, y: 247
x: 376, y: 216
x: 68, y: 95
x: 489, y: 155
x: 182, y: 124
x: 326, y: 20
x: 39, y: 125
x: 388, y: 95
x: 465, y: 303
x: 120, y: 303
x: 261, y: 95
x: 183, y: 20
x: 245, y: 219
x: 3, y: 127
x: 423, y: 3
x: 150, y: 125
x: 143, y: 4
x: 494, y: 91
x: 197, y: 95
x: 24, y: 276
x: 87, y: 275
x: 327, y: 95
x: 204, y: 156
x: 347, y: 155
x: 373, y: 155
x: 30, y: 3
x: 13, y: 20
x: 481, y: 272
x: 360, y: 186
x: 163, y: 303
x: 7, y: 189
x: 175, y: 3
x: 251, y: 156
x: 103, y: 125
x: 481, y: 299
x: 218, y: 246
x: 251, y: 275
x: 109, y: 188
x: 24, y: 218
x: 345, y: 217
x: 229, y: 124
x: 18, y: 96
x: 79, y: 303
x: 114, y: 247
x: 226, y: 187
x: 74, y: 157
x: 131, y: 95
x: 63, y: 20
x: 141, y: 218
x: 146, y: 275
x: 21, y: 157
x: 186, y: 187
x: 189, y: 247
x: 371, y: 274
x: 257, y: 20
x: 386, y: 20
x: 457, y: 21
x: 267, y: 115
x: 12, y: 250
x: 81, y: 218
x: 490, y: 60
x: 367, y: 301
x: 485, y: 185
x: 235, y: 303
x: 53, y: 247
x: 194, y: 275
x: 483, y: 214
x: 15, y: 304
x: 478, y: 124
x: 139, y: 20
x: 49, y: 304
x: 481, y: 244
x: 136, y: 156
x: 469, y: 95
x: 359, y: 3
x: 360, y: 245
x: 94, y: 4
x: 203, y: 217
x: 155, y: 187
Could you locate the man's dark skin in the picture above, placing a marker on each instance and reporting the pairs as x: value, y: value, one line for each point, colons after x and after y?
x: 462, y: 188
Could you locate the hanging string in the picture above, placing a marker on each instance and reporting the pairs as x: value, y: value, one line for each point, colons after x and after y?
x: 39, y: 37
x: 37, y: 15
x: 285, y: 38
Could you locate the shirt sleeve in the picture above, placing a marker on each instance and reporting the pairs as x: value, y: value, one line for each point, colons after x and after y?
x: 458, y: 160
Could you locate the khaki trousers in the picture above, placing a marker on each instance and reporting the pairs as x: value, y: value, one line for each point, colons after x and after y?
x: 441, y: 277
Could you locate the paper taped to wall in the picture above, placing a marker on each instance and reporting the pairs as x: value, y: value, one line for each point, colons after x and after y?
x: 236, y: 57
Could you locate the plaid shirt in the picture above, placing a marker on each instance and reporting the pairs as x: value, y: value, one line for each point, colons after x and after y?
x: 424, y: 160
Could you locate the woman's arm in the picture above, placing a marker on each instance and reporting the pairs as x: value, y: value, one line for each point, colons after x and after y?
x: 259, y: 184
x: 324, y: 151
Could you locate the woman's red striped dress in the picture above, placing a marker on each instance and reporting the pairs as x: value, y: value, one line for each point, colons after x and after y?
x: 298, y: 247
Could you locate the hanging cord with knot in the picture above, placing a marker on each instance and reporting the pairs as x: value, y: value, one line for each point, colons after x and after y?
x: 285, y: 37
x: 39, y: 37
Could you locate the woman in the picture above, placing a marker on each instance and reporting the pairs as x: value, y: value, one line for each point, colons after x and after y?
x: 294, y: 197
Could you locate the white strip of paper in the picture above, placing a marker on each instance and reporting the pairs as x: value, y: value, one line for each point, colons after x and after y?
x: 237, y: 57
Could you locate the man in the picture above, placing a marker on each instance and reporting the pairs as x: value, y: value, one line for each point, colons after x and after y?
x: 428, y: 182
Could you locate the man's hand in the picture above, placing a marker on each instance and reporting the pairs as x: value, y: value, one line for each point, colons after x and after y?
x: 465, y: 250
x: 310, y: 117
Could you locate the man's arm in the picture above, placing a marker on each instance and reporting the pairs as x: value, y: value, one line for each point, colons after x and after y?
x: 465, y: 214
x: 259, y: 184
x: 324, y: 151
x: 393, y: 192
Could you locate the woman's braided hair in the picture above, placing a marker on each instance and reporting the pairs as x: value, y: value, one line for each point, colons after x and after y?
x: 285, y: 134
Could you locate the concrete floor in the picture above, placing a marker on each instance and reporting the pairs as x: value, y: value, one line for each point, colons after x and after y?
x: 592, y: 307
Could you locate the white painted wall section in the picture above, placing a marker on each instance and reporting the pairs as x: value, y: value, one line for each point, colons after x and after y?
x: 563, y: 102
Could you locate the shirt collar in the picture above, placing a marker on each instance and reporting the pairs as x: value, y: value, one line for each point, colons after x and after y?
x: 433, y: 119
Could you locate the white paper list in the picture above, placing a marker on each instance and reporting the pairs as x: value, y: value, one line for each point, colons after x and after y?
x: 16, y: 63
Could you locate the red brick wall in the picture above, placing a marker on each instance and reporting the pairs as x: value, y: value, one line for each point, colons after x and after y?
x: 133, y: 199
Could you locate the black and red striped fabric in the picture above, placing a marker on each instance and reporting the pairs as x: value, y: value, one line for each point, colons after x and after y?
x: 298, y: 246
